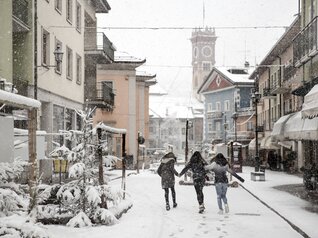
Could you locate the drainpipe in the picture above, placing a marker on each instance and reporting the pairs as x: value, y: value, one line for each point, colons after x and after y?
x: 280, y: 85
x: 269, y: 101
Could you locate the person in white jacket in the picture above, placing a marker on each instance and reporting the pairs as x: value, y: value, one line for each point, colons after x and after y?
x: 220, y: 167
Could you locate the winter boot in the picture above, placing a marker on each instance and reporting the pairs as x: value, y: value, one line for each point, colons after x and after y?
x: 220, y: 212
x: 175, y: 204
x: 167, y: 207
x: 201, y: 208
x: 226, y: 208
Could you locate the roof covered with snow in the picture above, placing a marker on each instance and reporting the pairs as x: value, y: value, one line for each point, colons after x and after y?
x: 18, y: 100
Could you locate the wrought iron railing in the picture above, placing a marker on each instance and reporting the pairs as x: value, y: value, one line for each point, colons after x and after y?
x: 20, y: 11
x: 305, y: 43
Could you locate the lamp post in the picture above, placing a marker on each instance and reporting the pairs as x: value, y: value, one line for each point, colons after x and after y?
x: 225, y: 128
x: 255, y: 99
x: 235, y: 116
x: 188, y: 126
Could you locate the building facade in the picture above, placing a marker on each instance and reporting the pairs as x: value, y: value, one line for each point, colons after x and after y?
x: 227, y: 91
x: 130, y: 101
x: 35, y: 30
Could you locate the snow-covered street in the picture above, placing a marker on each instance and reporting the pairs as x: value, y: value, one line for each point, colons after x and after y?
x: 248, y: 217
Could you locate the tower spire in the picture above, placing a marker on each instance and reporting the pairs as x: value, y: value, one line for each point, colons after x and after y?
x: 203, y: 14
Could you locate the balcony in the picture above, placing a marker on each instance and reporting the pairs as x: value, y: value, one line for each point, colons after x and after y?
x: 267, y: 93
x: 98, y: 47
x: 289, y: 72
x: 20, y: 16
x: 214, y: 115
x: 305, y: 43
x: 104, y: 97
x: 279, y: 87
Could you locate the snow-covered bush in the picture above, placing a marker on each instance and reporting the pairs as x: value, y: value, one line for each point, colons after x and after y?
x: 10, y: 202
x: 104, y: 216
x: 80, y: 220
x: 12, y: 196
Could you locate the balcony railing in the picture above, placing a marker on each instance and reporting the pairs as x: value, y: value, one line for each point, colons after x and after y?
x: 279, y: 87
x: 289, y: 72
x: 267, y: 93
x: 98, y: 45
x: 214, y: 115
x: 20, y: 11
x: 305, y: 43
x: 104, y: 97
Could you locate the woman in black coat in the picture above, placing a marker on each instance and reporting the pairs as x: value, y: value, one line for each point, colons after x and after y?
x: 167, y: 171
x: 196, y: 164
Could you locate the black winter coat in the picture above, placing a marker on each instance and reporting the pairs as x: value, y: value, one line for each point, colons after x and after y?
x: 196, y: 164
x: 167, y: 171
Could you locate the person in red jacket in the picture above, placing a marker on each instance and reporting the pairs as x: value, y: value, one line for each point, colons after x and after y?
x: 167, y: 172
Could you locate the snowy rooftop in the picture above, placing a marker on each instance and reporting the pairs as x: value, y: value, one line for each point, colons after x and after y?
x: 121, y: 56
x: 237, y: 75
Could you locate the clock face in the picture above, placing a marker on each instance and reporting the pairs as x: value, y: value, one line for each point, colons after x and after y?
x: 206, y: 51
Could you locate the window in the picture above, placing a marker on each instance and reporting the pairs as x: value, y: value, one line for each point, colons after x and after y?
x: 78, y: 16
x: 107, y: 90
x: 58, y: 68
x: 45, y: 47
x: 78, y: 69
x: 69, y: 63
x: 209, y: 127
x: 58, y: 5
x: 206, y: 66
x: 218, y: 126
x: 218, y: 106
x: 209, y: 107
x: 227, y: 105
x: 69, y: 10
x: 249, y: 126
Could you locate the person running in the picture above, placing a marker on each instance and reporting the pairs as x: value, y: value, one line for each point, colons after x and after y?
x: 167, y: 172
x: 220, y: 166
x: 196, y: 164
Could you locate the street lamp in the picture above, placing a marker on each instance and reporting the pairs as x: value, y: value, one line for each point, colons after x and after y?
x: 235, y: 116
x: 188, y: 126
x: 225, y: 125
x: 255, y: 99
x: 58, y: 54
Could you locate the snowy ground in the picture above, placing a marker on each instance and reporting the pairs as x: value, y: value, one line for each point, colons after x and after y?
x: 248, y: 217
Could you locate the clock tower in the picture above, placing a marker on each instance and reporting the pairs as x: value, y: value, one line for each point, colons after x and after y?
x: 203, y: 56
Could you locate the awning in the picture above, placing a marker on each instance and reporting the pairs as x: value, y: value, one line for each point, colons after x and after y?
x: 267, y: 144
x: 293, y: 127
x: 310, y: 129
x: 310, y: 105
x: 251, y: 145
x: 278, y: 129
x: 286, y: 144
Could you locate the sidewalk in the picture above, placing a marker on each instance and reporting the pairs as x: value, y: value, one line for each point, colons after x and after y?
x: 285, y: 194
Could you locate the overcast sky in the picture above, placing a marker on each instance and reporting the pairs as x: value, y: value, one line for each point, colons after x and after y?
x: 168, y: 51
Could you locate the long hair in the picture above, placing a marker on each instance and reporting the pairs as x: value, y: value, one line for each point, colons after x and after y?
x: 197, y: 157
x: 220, y: 159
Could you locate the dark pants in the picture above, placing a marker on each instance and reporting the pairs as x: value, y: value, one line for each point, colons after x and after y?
x: 173, y: 193
x: 198, y: 189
